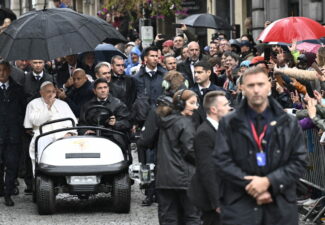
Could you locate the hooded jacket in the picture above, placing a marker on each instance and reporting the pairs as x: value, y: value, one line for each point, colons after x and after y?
x: 175, y: 152
x: 130, y: 64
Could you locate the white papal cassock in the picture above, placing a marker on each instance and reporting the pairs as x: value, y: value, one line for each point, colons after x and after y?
x: 37, y: 113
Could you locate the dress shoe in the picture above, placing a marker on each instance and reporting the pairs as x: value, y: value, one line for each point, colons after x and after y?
x: 147, y: 201
x: 9, y: 201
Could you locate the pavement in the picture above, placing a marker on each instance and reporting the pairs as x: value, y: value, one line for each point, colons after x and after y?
x: 70, y: 210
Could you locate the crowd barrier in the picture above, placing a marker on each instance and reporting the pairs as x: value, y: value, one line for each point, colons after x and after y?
x: 315, y: 174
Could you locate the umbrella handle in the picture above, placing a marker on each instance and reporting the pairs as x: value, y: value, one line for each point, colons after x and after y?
x: 45, y: 3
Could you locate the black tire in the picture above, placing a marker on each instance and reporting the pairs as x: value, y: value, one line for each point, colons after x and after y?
x: 45, y: 196
x: 36, y: 182
x: 121, y: 193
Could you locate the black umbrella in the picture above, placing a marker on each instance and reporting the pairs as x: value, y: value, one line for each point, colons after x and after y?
x: 51, y: 33
x: 6, y: 13
x: 206, y: 20
x: 105, y: 52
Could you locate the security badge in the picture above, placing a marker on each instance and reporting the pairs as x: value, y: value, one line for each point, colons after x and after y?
x: 261, y: 156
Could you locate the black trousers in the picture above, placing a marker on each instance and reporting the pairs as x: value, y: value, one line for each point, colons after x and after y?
x: 28, y: 168
x: 175, y: 208
x: 10, y: 161
x: 211, y: 218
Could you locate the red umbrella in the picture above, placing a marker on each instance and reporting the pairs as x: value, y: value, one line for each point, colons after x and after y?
x: 308, y: 47
x: 290, y: 28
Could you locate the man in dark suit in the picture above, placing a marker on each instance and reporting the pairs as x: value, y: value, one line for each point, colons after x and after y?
x: 187, y: 67
x: 203, y: 85
x: 64, y: 77
x: 205, y: 185
x: 260, y: 154
x: 12, y: 110
x: 34, y: 79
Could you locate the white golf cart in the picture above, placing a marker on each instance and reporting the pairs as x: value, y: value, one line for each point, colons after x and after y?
x: 82, y: 165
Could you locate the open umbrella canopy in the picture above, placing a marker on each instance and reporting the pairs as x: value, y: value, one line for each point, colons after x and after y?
x: 308, y: 47
x: 51, y: 33
x: 206, y: 20
x: 105, y: 52
x: 292, y: 28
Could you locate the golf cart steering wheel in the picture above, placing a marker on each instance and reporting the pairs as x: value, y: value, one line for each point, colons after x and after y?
x: 99, y: 115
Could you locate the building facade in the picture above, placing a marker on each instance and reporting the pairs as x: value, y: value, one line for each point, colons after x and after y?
x: 242, y: 12
x: 20, y: 7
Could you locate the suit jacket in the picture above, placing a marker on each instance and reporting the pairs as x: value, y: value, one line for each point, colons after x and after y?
x: 32, y: 86
x: 185, y: 68
x: 12, y: 112
x: 205, y: 185
x: 200, y: 115
x: 63, y: 74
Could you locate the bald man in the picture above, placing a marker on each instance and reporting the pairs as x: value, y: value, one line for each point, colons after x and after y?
x: 187, y: 67
x: 79, y: 94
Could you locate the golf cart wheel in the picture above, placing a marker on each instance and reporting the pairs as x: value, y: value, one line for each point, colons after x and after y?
x: 36, y: 182
x: 121, y: 193
x: 45, y: 196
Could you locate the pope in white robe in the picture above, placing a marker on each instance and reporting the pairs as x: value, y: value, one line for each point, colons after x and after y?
x: 45, y: 109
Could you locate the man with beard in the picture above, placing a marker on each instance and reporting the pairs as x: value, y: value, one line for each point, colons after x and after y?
x: 121, y: 85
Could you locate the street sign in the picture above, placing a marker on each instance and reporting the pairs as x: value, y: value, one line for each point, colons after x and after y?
x: 146, y: 36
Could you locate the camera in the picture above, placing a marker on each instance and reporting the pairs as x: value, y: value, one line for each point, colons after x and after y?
x: 142, y: 173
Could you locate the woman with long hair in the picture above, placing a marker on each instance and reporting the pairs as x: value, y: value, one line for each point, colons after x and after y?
x: 176, y: 160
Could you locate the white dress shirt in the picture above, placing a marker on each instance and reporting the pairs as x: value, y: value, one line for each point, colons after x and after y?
x: 6, y: 84
x: 40, y: 75
x: 214, y: 123
x: 149, y: 70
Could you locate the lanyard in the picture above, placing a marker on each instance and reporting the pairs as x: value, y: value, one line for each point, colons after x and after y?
x: 258, y: 139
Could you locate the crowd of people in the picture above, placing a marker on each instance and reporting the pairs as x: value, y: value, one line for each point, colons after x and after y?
x: 212, y: 165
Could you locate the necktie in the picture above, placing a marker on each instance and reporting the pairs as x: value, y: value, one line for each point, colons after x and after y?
x: 204, y: 91
x: 38, y: 77
x: 102, y: 102
x: 259, y: 123
x: 153, y: 73
x: 3, y: 86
